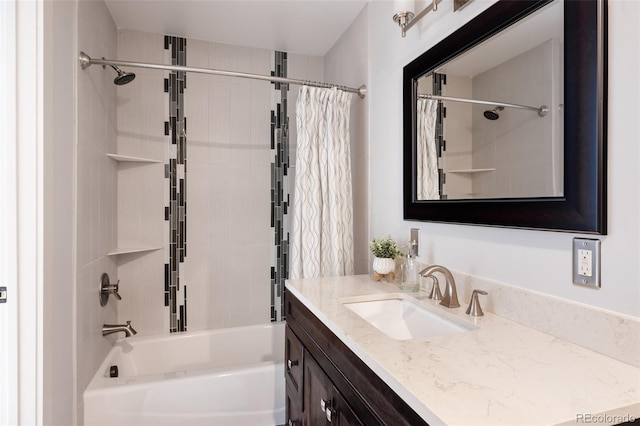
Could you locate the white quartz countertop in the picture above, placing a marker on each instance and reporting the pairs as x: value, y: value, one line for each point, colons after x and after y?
x: 501, y: 373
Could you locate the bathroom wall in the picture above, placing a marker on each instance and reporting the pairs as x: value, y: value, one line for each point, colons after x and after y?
x: 347, y: 63
x: 95, y: 191
x: 230, y: 240
x: 57, y: 348
x: 535, y: 260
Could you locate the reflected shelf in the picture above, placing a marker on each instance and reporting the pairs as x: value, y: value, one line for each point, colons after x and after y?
x: 128, y: 250
x: 470, y: 170
x: 130, y: 159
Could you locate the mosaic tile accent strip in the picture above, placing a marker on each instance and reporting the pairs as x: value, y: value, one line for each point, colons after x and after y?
x: 438, y: 81
x: 279, y: 186
x: 175, y: 212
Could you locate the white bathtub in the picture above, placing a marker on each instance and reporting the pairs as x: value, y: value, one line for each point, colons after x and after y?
x: 225, y: 377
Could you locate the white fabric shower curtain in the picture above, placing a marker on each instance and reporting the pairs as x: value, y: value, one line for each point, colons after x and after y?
x: 427, y: 163
x: 322, y: 228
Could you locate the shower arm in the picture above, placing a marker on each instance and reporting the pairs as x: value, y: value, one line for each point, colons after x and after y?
x: 86, y: 61
x: 542, y: 110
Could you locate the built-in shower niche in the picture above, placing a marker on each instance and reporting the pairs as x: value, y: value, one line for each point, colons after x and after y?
x: 128, y: 162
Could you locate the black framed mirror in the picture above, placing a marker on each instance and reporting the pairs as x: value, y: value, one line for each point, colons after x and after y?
x: 578, y: 203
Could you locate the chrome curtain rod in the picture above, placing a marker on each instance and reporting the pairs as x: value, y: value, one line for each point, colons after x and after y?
x: 542, y: 110
x: 86, y: 61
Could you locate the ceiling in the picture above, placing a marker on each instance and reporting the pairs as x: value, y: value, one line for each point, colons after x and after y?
x: 309, y: 27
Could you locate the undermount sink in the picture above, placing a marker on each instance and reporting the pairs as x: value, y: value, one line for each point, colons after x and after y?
x: 401, y: 317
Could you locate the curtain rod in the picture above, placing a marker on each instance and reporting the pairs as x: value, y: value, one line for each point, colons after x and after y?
x: 86, y: 61
x: 542, y: 110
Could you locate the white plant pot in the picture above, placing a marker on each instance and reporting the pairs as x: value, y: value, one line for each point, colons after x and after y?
x: 383, y: 266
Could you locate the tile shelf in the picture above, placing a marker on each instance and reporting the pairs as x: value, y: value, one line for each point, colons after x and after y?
x: 130, y: 159
x: 128, y: 250
x: 470, y: 170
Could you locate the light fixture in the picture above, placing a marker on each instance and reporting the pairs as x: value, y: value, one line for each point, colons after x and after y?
x: 404, y: 13
x: 405, y: 16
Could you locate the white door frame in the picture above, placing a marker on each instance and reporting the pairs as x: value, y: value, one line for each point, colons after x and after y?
x: 21, y: 230
x: 8, y: 218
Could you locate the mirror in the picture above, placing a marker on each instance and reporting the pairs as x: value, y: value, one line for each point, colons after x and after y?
x: 504, y: 120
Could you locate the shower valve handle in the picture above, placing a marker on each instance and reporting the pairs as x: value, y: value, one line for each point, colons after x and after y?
x: 106, y: 288
x: 113, y: 289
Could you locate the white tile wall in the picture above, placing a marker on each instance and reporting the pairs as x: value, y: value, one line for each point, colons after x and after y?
x: 96, y: 191
x: 517, y: 144
x: 458, y: 136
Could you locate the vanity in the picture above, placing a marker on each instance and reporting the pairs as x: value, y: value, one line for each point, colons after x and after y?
x: 342, y: 369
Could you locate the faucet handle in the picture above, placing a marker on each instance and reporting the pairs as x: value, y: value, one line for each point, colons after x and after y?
x: 435, y: 294
x: 114, y: 291
x: 474, y: 308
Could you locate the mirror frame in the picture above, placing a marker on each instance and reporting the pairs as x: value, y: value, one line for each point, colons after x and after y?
x: 582, y: 208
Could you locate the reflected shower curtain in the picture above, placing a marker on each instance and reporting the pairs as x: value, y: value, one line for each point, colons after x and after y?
x: 427, y: 162
x: 322, y: 228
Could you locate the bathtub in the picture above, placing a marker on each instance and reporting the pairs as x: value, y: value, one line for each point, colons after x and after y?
x: 225, y: 377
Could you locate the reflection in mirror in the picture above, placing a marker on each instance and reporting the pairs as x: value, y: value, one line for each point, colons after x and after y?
x: 489, y: 122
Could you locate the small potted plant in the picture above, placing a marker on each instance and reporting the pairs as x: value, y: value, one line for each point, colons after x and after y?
x: 385, y: 251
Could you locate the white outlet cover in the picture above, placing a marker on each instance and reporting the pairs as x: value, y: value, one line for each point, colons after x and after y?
x: 586, y: 262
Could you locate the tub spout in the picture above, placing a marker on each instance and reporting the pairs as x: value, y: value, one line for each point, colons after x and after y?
x: 115, y: 328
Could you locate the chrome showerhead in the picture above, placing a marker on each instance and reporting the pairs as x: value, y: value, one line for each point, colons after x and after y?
x: 493, y: 114
x: 123, y: 77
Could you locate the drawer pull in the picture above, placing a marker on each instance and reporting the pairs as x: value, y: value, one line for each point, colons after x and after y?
x: 326, y: 407
x: 329, y: 413
x: 291, y: 363
x: 325, y: 404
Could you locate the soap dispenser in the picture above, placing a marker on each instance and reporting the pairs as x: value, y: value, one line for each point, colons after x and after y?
x: 410, y: 280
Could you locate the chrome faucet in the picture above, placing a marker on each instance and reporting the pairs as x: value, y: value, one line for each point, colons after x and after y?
x: 450, y: 299
x: 115, y: 328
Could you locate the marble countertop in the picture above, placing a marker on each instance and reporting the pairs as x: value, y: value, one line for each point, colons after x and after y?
x: 500, y: 373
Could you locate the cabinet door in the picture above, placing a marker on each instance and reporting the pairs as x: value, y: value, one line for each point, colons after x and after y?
x: 324, y: 405
x: 344, y: 413
x: 317, y: 394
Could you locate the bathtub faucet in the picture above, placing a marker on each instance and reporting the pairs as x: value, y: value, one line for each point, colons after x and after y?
x: 115, y: 328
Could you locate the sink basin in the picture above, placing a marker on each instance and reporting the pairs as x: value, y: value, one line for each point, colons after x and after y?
x: 403, y: 318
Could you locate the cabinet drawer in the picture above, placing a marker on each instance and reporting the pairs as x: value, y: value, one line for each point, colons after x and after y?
x: 293, y: 353
x: 295, y: 415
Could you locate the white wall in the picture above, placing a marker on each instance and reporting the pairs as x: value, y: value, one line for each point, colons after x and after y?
x: 531, y: 259
x: 95, y: 189
x: 347, y: 63
x: 59, y: 197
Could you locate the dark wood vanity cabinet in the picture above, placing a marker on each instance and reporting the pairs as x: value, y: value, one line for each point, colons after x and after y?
x: 327, y: 384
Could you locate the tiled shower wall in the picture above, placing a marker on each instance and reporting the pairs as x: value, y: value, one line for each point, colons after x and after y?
x: 231, y: 243
x: 513, y: 144
x: 96, y: 191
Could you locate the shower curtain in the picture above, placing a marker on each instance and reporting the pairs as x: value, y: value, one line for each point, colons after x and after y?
x: 322, y: 228
x: 427, y: 162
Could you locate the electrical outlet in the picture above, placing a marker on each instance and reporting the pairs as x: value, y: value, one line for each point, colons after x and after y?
x: 586, y: 262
